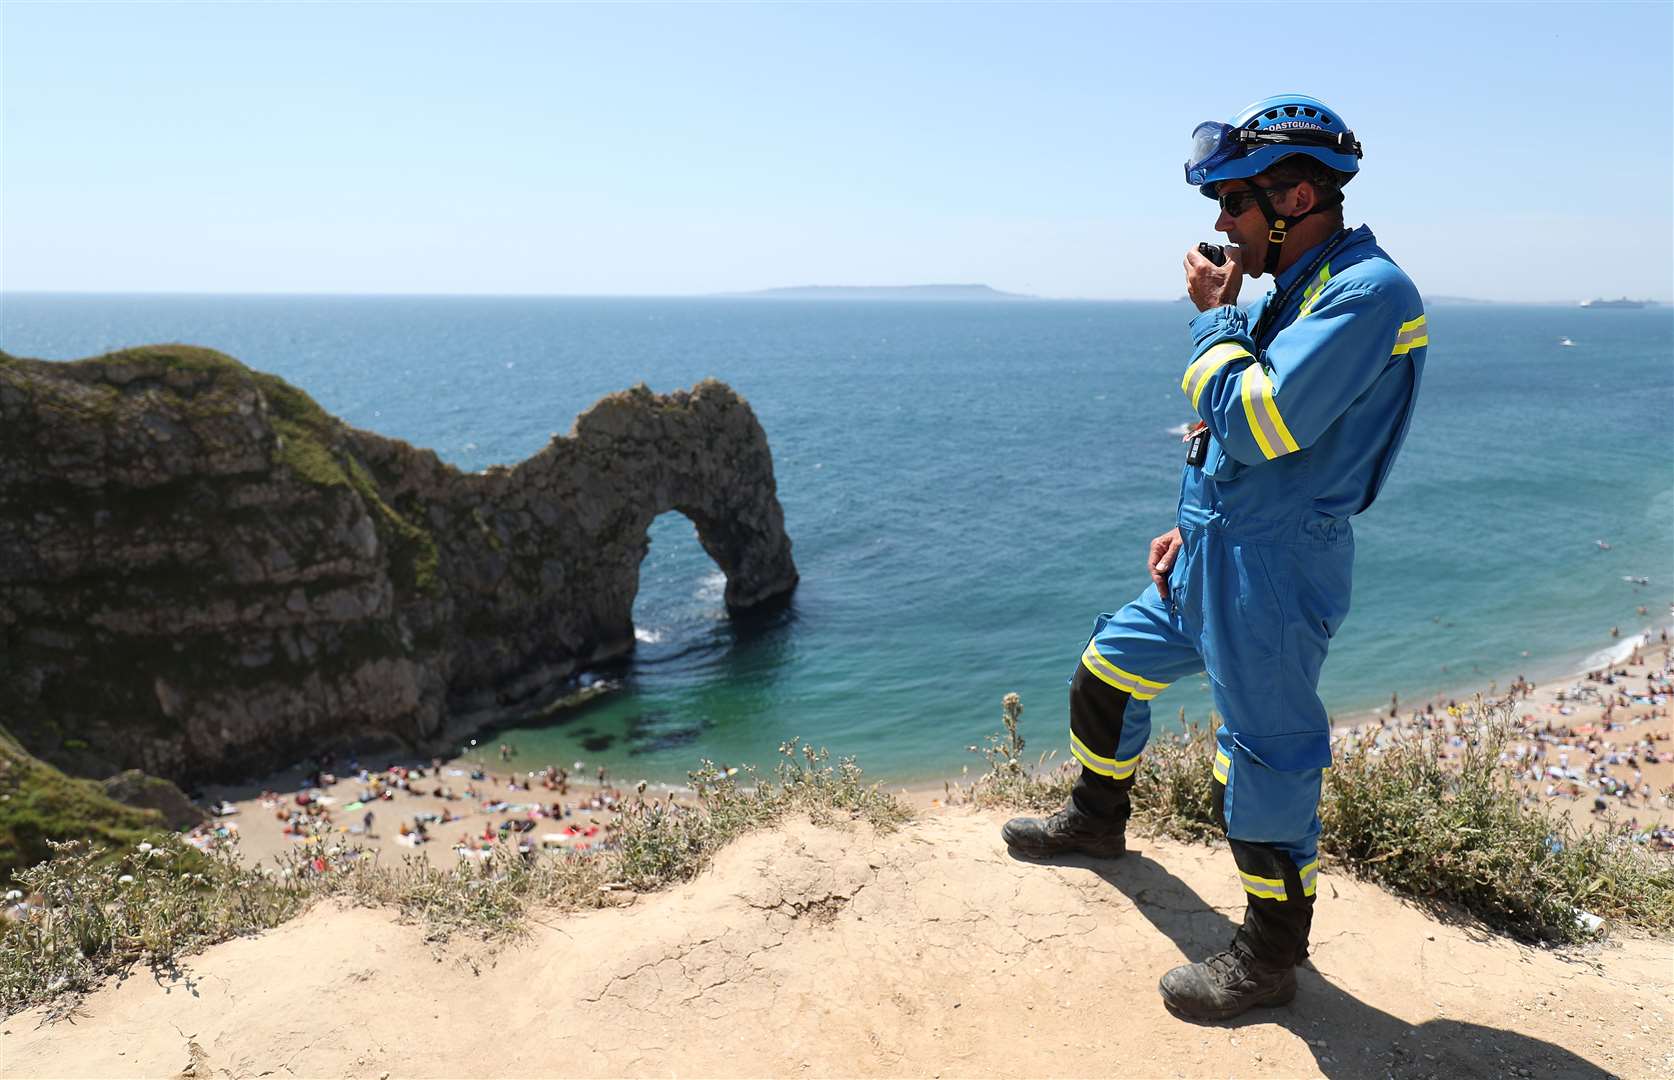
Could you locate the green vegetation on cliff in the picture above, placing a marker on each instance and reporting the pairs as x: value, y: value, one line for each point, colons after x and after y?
x: 413, y: 555
x: 307, y: 436
x: 306, y: 432
x: 172, y: 357
x: 38, y: 803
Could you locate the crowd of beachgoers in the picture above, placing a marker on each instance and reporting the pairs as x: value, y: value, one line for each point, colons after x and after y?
x: 1602, y: 740
x: 463, y: 807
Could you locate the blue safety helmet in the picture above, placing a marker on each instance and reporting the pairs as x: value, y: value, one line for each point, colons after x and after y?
x: 1266, y: 132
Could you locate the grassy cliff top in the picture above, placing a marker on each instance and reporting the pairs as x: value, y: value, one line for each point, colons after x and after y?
x: 37, y: 802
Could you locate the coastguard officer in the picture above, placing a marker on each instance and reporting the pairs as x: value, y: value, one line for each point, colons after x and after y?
x: 1303, y: 402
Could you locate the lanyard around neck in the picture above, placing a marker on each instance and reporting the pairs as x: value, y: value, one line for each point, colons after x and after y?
x: 1278, y: 302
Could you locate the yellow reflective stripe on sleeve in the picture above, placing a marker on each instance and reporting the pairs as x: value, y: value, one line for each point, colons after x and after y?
x: 1262, y: 412
x: 1116, y: 770
x: 1198, y: 374
x: 1412, y: 335
x: 1222, y: 764
x: 1310, y: 878
x: 1263, y: 887
x: 1141, y: 689
x: 1312, y: 292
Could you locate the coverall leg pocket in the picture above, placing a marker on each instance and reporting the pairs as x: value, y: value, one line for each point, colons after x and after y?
x: 1264, y: 804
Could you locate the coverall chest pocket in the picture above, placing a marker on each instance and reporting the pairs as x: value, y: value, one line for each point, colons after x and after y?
x: 1243, y: 617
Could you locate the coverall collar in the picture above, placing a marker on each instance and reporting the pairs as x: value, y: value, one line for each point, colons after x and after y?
x: 1289, y: 275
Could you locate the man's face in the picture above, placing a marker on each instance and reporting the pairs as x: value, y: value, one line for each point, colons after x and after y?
x: 1248, y: 228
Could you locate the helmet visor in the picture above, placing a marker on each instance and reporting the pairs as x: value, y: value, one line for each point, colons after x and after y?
x: 1212, y: 144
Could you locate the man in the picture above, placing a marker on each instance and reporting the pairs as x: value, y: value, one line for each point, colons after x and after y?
x: 1303, y: 403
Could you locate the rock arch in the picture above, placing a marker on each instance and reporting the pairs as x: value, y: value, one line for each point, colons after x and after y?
x: 203, y: 574
x: 573, y: 521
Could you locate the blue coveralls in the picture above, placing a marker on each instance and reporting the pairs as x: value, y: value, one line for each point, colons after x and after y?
x: 1304, y: 430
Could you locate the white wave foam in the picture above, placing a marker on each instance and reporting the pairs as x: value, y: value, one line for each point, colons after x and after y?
x: 711, y: 587
x: 647, y: 637
x: 1616, y: 653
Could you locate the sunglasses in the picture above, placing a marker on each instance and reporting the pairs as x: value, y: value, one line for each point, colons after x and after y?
x: 1236, y: 202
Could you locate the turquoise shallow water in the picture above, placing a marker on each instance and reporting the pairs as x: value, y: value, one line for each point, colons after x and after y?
x: 967, y: 485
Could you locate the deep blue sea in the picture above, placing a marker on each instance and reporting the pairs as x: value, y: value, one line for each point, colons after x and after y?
x: 968, y: 484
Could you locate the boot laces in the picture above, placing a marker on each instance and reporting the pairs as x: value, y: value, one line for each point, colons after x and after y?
x: 1229, y: 967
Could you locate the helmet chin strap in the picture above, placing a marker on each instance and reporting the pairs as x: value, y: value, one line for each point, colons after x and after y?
x: 1278, y: 228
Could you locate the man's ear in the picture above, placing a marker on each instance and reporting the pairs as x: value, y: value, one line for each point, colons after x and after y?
x: 1303, y: 198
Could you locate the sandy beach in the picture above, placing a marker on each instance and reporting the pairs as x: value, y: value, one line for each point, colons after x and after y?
x: 1598, y: 745
x: 441, y: 810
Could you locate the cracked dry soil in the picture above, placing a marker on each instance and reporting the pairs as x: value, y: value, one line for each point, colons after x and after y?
x: 810, y: 951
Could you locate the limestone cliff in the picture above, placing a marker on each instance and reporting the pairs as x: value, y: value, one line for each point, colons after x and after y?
x: 203, y: 574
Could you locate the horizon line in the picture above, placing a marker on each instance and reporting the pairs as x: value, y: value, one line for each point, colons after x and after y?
x: 756, y: 294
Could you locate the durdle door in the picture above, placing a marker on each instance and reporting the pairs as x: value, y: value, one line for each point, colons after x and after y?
x: 203, y: 574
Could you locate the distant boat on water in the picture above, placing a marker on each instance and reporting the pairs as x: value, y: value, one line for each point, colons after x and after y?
x: 1622, y: 302
x: 1566, y: 343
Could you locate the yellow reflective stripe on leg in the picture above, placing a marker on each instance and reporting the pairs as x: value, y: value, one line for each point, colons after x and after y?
x: 1310, y: 878
x: 1104, y: 766
x: 1264, y: 887
x: 1141, y: 689
x: 1222, y: 764
x: 1262, y: 412
x: 1411, y: 336
x: 1198, y: 374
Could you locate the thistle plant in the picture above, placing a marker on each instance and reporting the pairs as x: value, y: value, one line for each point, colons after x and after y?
x: 1011, y: 781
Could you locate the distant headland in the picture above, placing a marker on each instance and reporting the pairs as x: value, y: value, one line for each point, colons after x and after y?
x: 880, y: 292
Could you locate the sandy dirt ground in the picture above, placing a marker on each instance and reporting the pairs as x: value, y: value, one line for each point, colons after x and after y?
x: 809, y: 951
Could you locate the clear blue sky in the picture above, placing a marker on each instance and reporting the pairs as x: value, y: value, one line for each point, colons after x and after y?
x: 1513, y: 151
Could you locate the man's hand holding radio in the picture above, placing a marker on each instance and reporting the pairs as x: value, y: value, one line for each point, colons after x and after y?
x: 1211, y: 286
